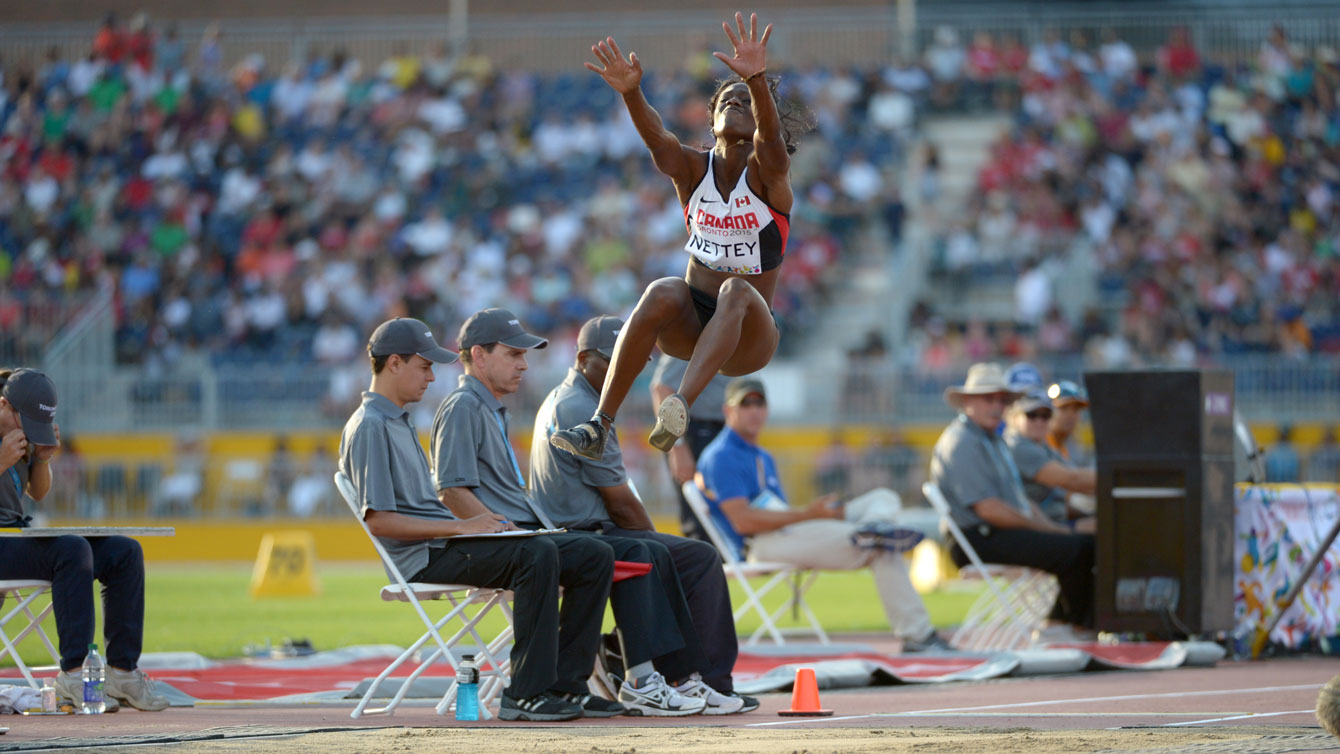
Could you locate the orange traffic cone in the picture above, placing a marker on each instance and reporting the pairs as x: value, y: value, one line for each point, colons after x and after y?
x: 805, y: 696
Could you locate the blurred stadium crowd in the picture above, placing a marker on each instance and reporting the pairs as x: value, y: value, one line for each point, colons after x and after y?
x: 262, y: 213
x: 1206, y: 189
x: 272, y: 212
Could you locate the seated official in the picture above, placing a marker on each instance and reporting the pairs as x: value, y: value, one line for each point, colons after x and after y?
x: 1049, y: 479
x: 579, y: 492
x: 976, y: 472
x: 744, y: 494
x: 476, y: 470
x: 29, y: 437
x: 553, y: 649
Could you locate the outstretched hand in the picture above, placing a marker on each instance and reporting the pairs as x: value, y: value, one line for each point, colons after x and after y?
x: 751, y: 50
x: 623, y: 75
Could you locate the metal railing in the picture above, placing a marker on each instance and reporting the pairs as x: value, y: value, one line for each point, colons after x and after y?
x: 270, y: 397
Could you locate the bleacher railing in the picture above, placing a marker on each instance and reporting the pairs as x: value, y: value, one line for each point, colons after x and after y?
x: 270, y: 397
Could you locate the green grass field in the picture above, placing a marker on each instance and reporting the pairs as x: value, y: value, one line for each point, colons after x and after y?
x: 206, y: 609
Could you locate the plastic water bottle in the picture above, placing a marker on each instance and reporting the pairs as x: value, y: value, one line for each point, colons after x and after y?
x: 467, y: 689
x: 49, y: 702
x: 95, y: 675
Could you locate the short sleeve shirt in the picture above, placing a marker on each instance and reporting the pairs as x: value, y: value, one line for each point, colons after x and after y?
x: 969, y: 465
x: 13, y: 483
x: 1030, y: 456
x: 471, y: 449
x: 563, y: 484
x: 731, y: 468
x: 670, y: 372
x: 381, y: 454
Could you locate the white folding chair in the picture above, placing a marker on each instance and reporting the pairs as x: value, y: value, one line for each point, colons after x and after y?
x: 492, y: 659
x: 25, y: 592
x: 1015, y: 604
x: 740, y: 570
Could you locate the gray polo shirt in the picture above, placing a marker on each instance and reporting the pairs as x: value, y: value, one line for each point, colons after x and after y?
x: 381, y: 454
x: 470, y: 449
x: 670, y: 371
x: 13, y: 483
x: 1030, y: 456
x: 970, y: 464
x: 563, y: 484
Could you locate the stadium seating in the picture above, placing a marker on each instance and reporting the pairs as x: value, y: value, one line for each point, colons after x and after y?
x: 491, y: 656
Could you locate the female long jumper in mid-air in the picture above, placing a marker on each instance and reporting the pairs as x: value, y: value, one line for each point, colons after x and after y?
x: 737, y: 203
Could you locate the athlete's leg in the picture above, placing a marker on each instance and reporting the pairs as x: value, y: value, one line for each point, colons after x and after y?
x: 665, y: 315
x: 740, y: 338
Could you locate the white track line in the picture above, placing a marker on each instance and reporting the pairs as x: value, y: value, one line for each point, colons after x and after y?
x: 1242, y: 717
x: 1017, y: 705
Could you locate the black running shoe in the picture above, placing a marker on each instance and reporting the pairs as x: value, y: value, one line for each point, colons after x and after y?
x: 750, y: 702
x: 586, y: 440
x: 544, y: 707
x: 594, y: 706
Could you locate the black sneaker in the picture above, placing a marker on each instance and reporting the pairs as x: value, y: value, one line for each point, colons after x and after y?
x: 594, y: 706
x: 931, y: 643
x: 750, y: 702
x: 544, y: 707
x: 586, y: 440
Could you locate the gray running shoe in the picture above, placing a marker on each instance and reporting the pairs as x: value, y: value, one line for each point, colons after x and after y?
x: 672, y: 418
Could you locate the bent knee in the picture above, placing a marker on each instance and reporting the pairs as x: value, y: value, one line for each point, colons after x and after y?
x: 70, y: 550
x: 736, y: 294
x: 663, y: 298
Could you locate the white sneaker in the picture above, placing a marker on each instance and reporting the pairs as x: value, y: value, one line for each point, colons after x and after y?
x: 717, y: 702
x: 134, y: 688
x: 656, y: 698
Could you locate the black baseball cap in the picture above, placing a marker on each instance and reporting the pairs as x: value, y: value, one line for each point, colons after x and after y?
x: 600, y: 334
x: 405, y: 335
x: 33, y: 395
x: 742, y: 387
x: 497, y: 326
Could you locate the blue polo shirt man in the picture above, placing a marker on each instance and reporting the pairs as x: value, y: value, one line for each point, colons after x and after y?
x: 745, y: 497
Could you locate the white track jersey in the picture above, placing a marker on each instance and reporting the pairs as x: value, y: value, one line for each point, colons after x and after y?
x: 740, y: 233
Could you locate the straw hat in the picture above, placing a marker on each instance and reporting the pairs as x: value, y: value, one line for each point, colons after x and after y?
x: 983, y: 379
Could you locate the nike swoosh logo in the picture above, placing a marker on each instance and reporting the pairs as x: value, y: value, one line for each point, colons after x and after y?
x: 709, y: 201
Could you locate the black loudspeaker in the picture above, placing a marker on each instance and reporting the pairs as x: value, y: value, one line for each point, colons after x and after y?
x: 1164, y: 446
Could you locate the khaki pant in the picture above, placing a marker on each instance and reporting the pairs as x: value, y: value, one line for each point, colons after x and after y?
x: 826, y: 545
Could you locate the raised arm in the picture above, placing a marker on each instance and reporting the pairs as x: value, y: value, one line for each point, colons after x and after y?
x: 625, y: 77
x: 751, y: 64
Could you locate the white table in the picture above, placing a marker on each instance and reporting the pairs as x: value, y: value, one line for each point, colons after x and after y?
x: 90, y: 531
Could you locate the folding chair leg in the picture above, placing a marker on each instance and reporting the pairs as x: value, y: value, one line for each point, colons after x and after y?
x: 23, y: 606
x: 754, y: 600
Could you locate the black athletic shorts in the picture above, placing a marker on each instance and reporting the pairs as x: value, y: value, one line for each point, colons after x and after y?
x: 705, y: 305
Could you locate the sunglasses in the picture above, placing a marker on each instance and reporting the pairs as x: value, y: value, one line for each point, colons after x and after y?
x: 753, y: 402
x: 1035, y: 415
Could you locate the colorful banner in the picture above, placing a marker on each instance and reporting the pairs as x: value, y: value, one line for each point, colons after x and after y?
x: 1278, y: 528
